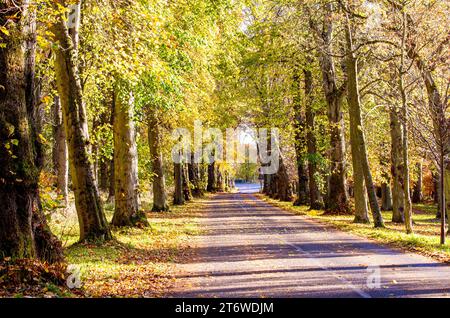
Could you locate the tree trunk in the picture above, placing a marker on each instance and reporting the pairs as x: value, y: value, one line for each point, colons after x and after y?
x: 104, y: 174
x: 357, y: 129
x: 212, y: 181
x: 93, y: 224
x: 159, y: 183
x: 283, y: 185
x: 103, y: 164
x: 437, y: 193
x: 111, y: 162
x: 442, y: 200
x: 337, y: 195
x: 24, y: 232
x: 187, y: 193
x: 359, y: 187
x: 315, y: 197
x: 60, y: 160
x: 267, y: 184
x: 447, y: 193
x: 111, y: 182
x: 405, y: 146
x: 396, y: 168
x: 417, y: 193
x: 194, y: 178
x: 300, y: 143
x: 220, y: 186
x: 386, y: 197
x: 178, y: 198
x: 126, y: 185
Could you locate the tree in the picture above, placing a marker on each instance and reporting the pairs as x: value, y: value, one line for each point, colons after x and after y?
x: 337, y: 197
x: 60, y: 160
x: 315, y: 197
x: 300, y: 141
x: 159, y: 183
x: 398, y: 198
x: 92, y: 221
x: 127, y: 211
x: 24, y: 232
x: 359, y: 151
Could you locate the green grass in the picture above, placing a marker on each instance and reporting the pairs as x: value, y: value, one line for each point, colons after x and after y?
x: 425, y: 240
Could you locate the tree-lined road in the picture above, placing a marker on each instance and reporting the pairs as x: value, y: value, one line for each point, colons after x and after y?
x: 252, y: 249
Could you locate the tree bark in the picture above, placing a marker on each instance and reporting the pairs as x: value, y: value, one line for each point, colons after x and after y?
x: 220, y: 186
x: 405, y: 146
x: 300, y: 142
x: 159, y: 183
x: 178, y: 197
x: 357, y: 129
x: 187, y: 193
x: 24, y: 232
x: 111, y: 162
x: 447, y: 193
x: 359, y: 187
x: 126, y: 185
x: 283, y: 188
x: 386, y: 197
x: 396, y: 168
x: 104, y: 174
x: 60, y: 160
x: 212, y: 180
x: 194, y: 178
x: 417, y: 192
x: 92, y: 220
x: 337, y: 195
x: 315, y: 197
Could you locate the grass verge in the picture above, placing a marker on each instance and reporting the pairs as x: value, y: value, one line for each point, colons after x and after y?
x: 140, y: 261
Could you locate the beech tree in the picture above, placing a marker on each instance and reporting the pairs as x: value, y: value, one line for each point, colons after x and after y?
x: 24, y: 232
x: 127, y: 210
x: 92, y: 220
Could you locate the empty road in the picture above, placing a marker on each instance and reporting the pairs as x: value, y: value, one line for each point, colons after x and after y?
x: 252, y: 249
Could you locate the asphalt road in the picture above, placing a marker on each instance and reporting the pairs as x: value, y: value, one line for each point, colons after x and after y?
x: 252, y: 249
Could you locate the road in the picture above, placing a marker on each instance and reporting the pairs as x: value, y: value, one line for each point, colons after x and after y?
x: 252, y: 249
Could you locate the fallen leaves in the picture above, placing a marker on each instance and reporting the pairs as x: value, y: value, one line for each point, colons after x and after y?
x: 141, y: 263
x: 30, y: 277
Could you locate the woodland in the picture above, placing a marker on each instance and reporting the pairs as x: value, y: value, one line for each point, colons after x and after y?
x: 90, y: 92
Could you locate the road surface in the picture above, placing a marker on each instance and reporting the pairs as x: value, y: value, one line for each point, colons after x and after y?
x: 252, y: 249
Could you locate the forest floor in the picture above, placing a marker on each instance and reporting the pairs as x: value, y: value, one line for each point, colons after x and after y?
x: 139, y: 262
x: 250, y: 248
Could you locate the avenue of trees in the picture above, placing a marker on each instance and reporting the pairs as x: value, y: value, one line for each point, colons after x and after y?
x: 90, y: 92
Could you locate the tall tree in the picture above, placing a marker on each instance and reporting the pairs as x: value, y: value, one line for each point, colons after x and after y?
x: 315, y: 197
x: 300, y: 140
x: 159, y: 182
x: 24, y: 232
x: 127, y: 211
x: 398, y: 198
x: 91, y: 218
x: 359, y: 149
x: 59, y: 153
x: 337, y: 196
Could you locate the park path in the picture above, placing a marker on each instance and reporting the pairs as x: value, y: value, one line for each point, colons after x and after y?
x: 252, y: 249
